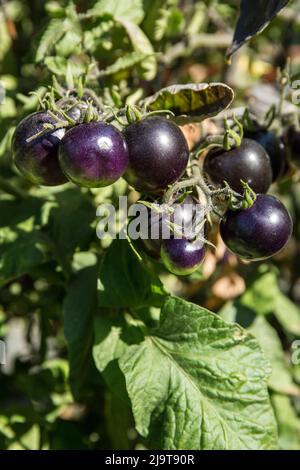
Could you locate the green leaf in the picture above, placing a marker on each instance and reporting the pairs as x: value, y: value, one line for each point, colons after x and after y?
x: 125, y: 281
x: 119, y: 422
x: 113, y: 333
x: 281, y: 379
x: 59, y: 66
x: 288, y: 314
x: 153, y: 11
x: 192, y: 102
x: 54, y: 31
x: 79, y: 307
x: 141, y: 44
x: 288, y: 422
x: 68, y: 44
x: 8, y: 108
x: 263, y: 296
x: 132, y: 11
x: 262, y: 292
x: 108, y: 344
x: 21, y: 251
x: 5, y: 144
x: 70, y: 220
x: 124, y: 63
x: 199, y: 383
x: 168, y: 24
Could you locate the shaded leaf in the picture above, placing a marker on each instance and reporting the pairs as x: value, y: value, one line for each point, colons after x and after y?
x: 125, y: 281
x: 79, y: 307
x: 119, y: 422
x: 253, y: 20
x: 21, y: 251
x: 70, y: 220
x: 113, y: 333
x: 192, y: 102
x: 199, y: 383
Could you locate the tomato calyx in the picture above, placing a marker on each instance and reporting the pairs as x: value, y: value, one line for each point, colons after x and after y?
x: 232, y: 138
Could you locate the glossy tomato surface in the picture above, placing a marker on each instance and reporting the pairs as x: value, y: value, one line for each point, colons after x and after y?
x: 258, y: 232
x: 249, y: 162
x: 181, y: 256
x: 158, y: 154
x: 93, y: 155
x: 37, y: 160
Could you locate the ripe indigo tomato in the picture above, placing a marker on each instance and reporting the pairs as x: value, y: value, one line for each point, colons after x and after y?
x: 182, y: 256
x: 37, y: 160
x: 93, y: 155
x: 274, y: 147
x: 258, y: 232
x: 158, y: 154
x: 184, y: 220
x: 249, y: 162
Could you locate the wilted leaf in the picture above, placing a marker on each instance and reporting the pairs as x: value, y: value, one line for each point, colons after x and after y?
x: 198, y: 382
x: 192, y: 102
x: 253, y: 19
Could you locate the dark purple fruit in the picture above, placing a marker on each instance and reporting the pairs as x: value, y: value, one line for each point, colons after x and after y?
x: 93, y: 155
x: 37, y: 160
x: 183, y: 220
x: 181, y: 256
x: 249, y: 162
x: 292, y: 139
x: 158, y: 154
x: 274, y: 147
x: 258, y: 232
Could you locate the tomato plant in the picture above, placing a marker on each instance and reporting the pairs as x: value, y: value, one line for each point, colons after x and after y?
x: 149, y: 225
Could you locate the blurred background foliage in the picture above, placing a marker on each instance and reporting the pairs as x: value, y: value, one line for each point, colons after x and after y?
x: 127, y: 49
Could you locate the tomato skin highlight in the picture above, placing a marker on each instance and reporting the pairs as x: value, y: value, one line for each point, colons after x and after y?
x: 158, y: 154
x: 37, y: 160
x: 258, y: 232
x: 182, y: 256
x: 93, y: 155
x: 249, y: 162
x: 274, y: 147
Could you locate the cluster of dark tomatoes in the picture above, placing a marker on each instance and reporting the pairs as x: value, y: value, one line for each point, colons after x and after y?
x: 152, y: 155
